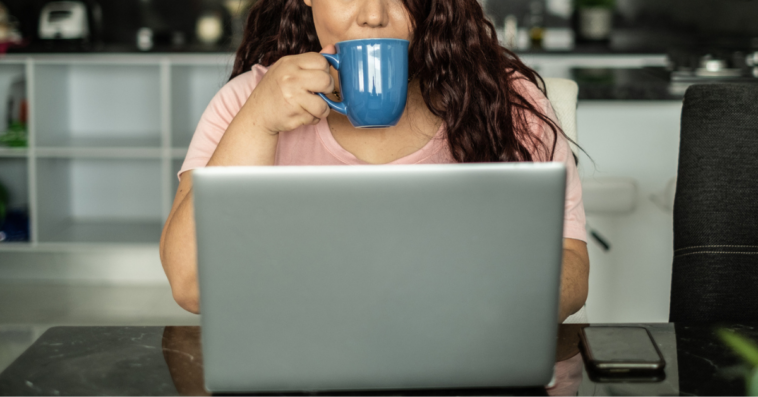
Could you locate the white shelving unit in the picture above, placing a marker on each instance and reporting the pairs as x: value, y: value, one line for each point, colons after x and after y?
x: 107, y: 135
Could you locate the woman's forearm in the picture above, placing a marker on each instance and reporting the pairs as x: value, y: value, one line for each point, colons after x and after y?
x: 243, y: 143
x: 574, y: 278
x: 179, y: 254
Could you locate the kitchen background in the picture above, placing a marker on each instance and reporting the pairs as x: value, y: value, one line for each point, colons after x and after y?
x: 102, y: 97
x: 639, y: 25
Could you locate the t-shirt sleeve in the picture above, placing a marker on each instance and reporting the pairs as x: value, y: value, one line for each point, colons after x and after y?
x: 574, y: 217
x: 217, y: 116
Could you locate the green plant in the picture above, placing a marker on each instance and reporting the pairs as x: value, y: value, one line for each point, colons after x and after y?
x: 16, y: 136
x: 595, y: 3
x: 748, y: 350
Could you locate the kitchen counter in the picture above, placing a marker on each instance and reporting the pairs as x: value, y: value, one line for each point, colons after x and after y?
x: 168, y: 361
x: 626, y: 84
x: 616, y: 47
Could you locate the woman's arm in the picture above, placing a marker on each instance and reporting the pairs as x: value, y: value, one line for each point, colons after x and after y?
x: 178, y: 247
x: 574, y: 277
x: 282, y: 101
x: 243, y: 144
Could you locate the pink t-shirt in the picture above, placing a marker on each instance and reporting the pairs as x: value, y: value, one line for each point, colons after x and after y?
x: 315, y: 145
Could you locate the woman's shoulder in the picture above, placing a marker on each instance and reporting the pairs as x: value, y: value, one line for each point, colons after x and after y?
x: 529, y: 90
x: 244, y: 84
x: 232, y: 95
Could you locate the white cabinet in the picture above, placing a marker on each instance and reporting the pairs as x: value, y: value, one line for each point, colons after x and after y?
x: 107, y: 136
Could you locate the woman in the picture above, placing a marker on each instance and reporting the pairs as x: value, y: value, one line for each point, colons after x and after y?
x: 469, y: 100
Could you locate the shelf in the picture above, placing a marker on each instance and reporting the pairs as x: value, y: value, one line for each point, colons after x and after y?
x: 75, y: 246
x: 101, y: 153
x: 11, y: 247
x: 107, y: 128
x: 104, y: 231
x: 13, y: 60
x: 13, y: 152
x: 98, y: 59
x: 144, y: 59
x: 126, y: 192
x: 60, y: 140
x: 98, y: 105
x: 192, y: 88
x: 92, y: 147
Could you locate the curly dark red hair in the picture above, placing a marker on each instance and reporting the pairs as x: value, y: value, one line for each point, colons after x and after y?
x: 467, y: 78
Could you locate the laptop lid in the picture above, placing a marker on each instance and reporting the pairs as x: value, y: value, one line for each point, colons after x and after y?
x: 379, y: 277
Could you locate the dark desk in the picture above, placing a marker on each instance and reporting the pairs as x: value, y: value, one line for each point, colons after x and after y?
x: 168, y: 361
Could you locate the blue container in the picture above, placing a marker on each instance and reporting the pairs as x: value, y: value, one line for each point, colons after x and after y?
x: 373, y: 77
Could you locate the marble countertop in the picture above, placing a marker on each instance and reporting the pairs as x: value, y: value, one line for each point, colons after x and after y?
x: 169, y: 361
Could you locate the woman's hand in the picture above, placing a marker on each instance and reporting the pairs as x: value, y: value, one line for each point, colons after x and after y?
x: 284, y: 99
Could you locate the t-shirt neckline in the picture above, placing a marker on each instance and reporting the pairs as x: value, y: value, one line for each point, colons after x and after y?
x: 437, y: 142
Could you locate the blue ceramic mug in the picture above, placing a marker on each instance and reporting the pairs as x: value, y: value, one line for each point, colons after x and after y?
x: 373, y: 77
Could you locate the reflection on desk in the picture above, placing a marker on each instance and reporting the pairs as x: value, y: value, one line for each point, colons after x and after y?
x: 181, y: 349
x: 169, y: 361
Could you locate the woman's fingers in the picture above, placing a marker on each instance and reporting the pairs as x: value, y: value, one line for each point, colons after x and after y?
x: 315, y: 106
x: 290, y: 85
x: 312, y: 60
x: 316, y: 81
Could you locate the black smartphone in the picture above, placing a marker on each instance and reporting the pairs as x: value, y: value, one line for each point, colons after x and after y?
x: 623, y: 353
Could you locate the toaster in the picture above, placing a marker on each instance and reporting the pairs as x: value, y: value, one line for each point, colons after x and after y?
x: 64, y: 20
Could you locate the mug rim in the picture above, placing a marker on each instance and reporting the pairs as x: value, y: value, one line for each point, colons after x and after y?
x: 370, y: 39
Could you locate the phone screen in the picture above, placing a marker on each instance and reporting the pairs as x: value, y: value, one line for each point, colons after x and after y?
x: 621, y: 344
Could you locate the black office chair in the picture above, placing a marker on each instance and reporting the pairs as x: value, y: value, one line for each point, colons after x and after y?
x: 715, y: 272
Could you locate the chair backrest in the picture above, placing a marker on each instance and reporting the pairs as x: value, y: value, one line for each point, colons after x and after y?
x: 715, y: 270
x: 563, y: 95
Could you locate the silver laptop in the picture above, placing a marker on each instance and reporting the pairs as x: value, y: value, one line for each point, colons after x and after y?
x: 337, y: 278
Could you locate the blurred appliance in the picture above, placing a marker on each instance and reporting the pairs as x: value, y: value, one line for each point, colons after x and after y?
x: 717, y: 66
x: 687, y: 67
x: 64, y: 20
x: 752, y: 62
x: 594, y: 20
x: 210, y: 27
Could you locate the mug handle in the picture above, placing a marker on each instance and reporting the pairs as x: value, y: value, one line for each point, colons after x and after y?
x: 340, y: 107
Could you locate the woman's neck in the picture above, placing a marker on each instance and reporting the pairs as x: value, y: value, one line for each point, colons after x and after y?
x: 416, y: 127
